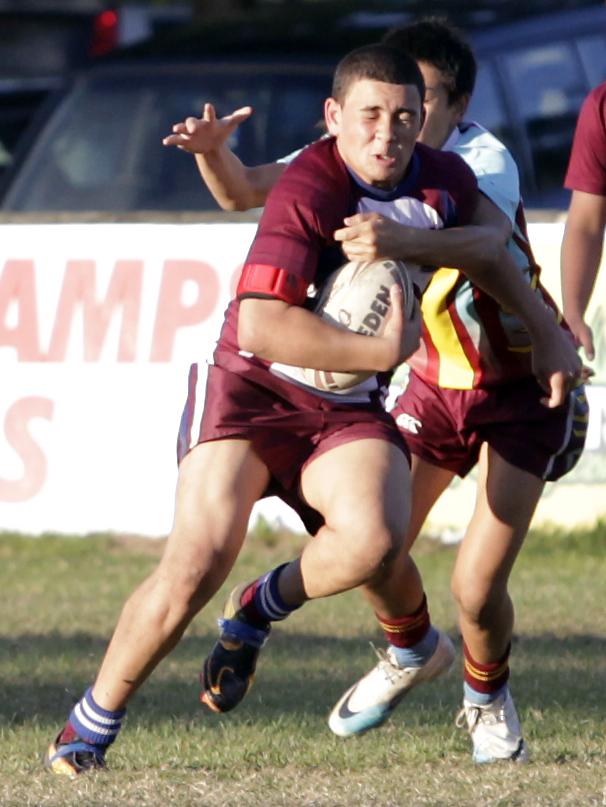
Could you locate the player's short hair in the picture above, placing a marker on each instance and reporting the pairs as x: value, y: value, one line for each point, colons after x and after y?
x: 377, y: 62
x: 439, y: 43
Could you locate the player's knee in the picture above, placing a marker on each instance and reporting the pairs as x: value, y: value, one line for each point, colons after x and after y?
x: 478, y: 604
x: 374, y: 552
x: 192, y: 582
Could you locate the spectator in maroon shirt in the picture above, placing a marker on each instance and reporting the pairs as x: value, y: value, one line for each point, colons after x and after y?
x: 584, y: 234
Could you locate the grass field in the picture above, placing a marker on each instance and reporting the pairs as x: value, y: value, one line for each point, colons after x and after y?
x: 59, y: 599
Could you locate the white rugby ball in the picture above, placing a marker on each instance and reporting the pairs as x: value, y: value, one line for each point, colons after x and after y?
x: 356, y: 297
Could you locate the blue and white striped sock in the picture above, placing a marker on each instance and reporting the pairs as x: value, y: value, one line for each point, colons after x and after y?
x: 92, y: 723
x: 267, y: 600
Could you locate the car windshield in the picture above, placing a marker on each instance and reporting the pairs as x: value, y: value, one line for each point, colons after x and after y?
x: 103, y: 150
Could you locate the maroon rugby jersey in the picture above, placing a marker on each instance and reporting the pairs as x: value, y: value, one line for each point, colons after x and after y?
x: 587, y: 166
x: 311, y: 199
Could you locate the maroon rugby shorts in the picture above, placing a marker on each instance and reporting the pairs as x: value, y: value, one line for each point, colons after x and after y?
x: 287, y: 426
x: 446, y: 427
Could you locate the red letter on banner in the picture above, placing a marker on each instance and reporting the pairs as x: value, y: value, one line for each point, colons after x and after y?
x: 34, y: 462
x: 18, y: 302
x: 80, y: 290
x: 173, y: 313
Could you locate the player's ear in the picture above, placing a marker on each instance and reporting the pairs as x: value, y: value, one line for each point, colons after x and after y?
x: 332, y: 116
x: 461, y: 104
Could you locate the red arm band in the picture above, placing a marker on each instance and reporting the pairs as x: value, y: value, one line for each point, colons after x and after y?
x: 261, y: 280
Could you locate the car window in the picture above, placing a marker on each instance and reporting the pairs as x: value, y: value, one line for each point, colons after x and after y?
x: 296, y: 115
x: 548, y: 85
x: 592, y: 50
x: 488, y: 108
x: 103, y: 150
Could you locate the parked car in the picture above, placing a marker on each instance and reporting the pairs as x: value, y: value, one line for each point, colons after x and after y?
x: 100, y: 147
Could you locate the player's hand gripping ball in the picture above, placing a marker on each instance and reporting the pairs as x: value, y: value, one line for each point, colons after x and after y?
x: 356, y: 297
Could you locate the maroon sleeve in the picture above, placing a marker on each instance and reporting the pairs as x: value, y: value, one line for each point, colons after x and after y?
x: 305, y: 207
x: 464, y: 189
x: 447, y: 184
x: 587, y: 165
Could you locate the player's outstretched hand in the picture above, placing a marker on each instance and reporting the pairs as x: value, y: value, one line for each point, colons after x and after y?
x: 208, y: 133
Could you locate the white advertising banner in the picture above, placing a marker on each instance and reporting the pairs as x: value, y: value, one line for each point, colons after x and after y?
x: 98, y: 326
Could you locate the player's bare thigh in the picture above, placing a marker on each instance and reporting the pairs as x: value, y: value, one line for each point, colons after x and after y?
x: 360, y: 486
x: 218, y: 484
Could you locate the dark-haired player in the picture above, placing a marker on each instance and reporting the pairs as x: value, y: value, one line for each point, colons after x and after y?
x: 340, y: 460
x: 472, y: 398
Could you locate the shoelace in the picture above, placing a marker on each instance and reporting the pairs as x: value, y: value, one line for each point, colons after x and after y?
x: 390, y: 670
x: 463, y: 721
x: 470, y: 716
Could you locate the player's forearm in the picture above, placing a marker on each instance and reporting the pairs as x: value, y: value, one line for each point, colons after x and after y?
x: 226, y: 178
x: 580, y: 260
x: 581, y: 252
x: 471, y: 249
x: 501, y: 278
x: 292, y: 335
x: 480, y: 253
x: 234, y: 185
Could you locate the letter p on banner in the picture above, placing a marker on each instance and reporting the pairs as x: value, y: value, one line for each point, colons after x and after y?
x: 174, y: 312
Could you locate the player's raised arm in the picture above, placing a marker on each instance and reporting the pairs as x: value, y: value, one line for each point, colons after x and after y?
x: 234, y: 185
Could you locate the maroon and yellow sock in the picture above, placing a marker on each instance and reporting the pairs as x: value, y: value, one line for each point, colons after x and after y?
x: 406, y: 631
x: 489, y: 678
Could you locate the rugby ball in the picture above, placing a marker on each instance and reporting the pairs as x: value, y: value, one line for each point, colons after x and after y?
x: 356, y: 297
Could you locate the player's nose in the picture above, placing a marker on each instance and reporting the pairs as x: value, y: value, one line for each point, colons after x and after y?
x: 385, y: 130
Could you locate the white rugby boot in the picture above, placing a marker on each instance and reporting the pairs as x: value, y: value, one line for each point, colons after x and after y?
x: 369, y: 703
x: 495, y: 730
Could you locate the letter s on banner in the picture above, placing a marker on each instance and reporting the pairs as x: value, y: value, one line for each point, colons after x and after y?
x: 34, y: 462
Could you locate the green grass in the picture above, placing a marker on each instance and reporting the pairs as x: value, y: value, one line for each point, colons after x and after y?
x: 59, y: 600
